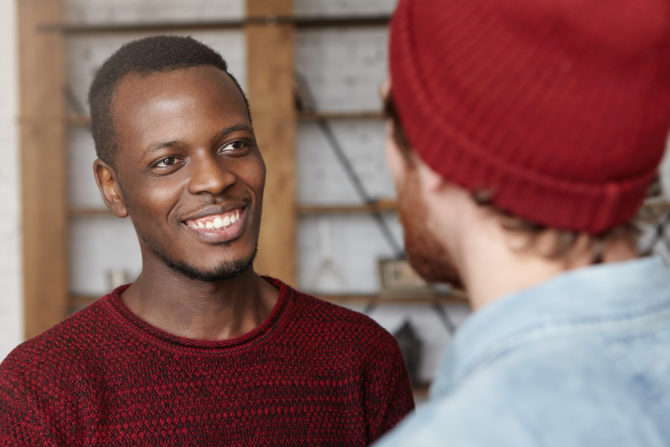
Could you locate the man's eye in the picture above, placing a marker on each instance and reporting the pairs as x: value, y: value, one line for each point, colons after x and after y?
x: 235, y: 146
x: 166, y: 162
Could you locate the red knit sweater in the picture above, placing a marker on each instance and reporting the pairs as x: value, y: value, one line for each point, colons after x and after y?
x: 312, y: 374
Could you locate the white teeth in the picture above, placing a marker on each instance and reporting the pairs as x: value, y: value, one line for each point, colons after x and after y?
x: 217, y: 222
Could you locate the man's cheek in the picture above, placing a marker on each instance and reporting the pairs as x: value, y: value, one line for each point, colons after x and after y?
x: 394, y: 159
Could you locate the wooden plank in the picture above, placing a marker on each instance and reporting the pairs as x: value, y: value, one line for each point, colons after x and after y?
x: 379, y: 206
x: 361, y: 115
x: 43, y: 165
x: 270, y: 91
x: 399, y: 299
x: 85, y: 121
x: 303, y: 22
x: 78, y: 302
x: 79, y: 120
x: 80, y: 212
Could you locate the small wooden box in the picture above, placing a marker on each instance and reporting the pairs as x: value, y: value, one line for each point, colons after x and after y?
x: 397, y: 277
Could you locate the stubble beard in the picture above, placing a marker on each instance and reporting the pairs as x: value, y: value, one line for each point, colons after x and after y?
x: 227, y: 270
x: 425, y: 251
x: 224, y: 271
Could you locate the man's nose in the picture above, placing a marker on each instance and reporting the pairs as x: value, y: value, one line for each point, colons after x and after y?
x: 209, y: 174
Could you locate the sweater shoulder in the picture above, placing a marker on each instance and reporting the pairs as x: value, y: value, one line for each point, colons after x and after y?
x: 317, y: 309
x: 62, y: 346
x: 340, y: 325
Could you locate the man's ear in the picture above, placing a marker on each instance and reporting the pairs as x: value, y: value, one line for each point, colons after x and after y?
x: 109, y: 187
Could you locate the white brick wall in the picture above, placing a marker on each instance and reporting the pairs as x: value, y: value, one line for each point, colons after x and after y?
x: 11, y: 319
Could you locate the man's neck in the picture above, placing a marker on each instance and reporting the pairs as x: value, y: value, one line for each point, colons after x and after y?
x: 493, y: 265
x: 201, y: 310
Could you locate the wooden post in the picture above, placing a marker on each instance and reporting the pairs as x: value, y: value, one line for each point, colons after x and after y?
x: 270, y: 91
x: 43, y: 166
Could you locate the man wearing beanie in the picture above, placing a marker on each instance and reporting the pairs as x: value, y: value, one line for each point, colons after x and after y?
x: 523, y: 136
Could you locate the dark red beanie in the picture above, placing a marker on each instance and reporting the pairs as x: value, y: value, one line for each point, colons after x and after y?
x: 559, y: 108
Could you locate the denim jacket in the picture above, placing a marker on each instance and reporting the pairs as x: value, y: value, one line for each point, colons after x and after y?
x: 580, y: 360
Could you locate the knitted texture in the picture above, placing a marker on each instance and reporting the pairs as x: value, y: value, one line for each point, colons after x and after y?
x: 312, y: 374
x: 558, y: 108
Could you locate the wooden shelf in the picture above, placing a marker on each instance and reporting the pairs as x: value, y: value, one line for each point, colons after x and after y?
x: 421, y: 392
x: 80, y: 301
x: 384, y: 205
x: 456, y: 297
x: 654, y: 210
x: 360, y: 115
x: 79, y: 120
x: 84, y: 120
x: 223, y: 24
x: 89, y: 212
x: 381, y: 206
x: 657, y: 202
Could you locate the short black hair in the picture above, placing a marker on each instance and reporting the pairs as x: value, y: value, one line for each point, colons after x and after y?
x: 144, y: 56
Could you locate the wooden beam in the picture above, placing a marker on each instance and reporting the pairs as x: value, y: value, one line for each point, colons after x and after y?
x: 79, y: 212
x: 85, y: 121
x: 270, y: 91
x: 304, y: 22
x: 360, y: 115
x: 398, y: 299
x: 380, y: 206
x: 43, y: 165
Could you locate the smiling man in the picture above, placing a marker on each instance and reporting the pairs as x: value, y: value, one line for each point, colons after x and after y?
x: 199, y: 350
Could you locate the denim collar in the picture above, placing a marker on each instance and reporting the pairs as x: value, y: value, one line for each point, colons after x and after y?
x: 587, y: 300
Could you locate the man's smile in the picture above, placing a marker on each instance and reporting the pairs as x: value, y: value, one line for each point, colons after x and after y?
x: 221, y: 226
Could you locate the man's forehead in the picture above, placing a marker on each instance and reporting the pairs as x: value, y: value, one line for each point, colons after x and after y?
x: 137, y: 89
x: 161, y: 106
x: 183, y: 77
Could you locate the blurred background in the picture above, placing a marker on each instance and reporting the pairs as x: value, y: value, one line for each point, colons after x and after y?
x: 311, y: 69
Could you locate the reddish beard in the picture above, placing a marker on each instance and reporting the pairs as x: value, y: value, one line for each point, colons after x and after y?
x: 425, y: 251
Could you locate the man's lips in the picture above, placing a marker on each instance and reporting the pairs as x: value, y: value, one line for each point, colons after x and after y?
x: 213, y: 210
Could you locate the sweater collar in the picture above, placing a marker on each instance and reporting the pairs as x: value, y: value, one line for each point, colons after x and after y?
x: 157, y: 336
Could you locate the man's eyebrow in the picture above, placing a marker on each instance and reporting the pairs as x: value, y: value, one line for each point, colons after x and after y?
x: 163, y: 144
x: 235, y: 128
x: 222, y: 133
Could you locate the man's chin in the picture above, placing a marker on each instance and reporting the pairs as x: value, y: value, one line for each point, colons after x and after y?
x: 434, y: 270
x: 222, y: 272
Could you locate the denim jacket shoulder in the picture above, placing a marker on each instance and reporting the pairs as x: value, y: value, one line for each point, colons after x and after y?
x: 579, y: 360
